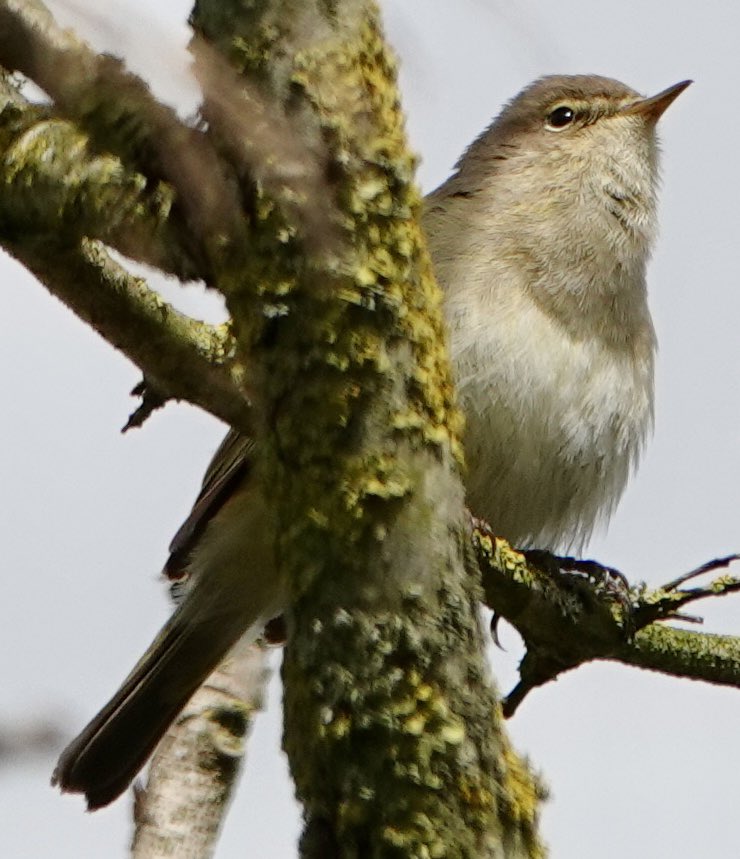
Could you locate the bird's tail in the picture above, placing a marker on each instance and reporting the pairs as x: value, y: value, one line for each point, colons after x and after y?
x: 103, y: 760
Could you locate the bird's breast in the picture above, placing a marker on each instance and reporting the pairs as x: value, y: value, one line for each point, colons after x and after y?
x: 553, y: 425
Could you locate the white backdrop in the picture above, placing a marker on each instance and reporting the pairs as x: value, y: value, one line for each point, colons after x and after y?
x: 638, y: 764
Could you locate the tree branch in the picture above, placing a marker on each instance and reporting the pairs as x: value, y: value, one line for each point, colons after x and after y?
x: 117, y: 109
x: 184, y: 358
x: 567, y: 620
x: 390, y: 722
x: 54, y: 184
x: 196, y: 766
x: 392, y: 729
x: 685, y: 653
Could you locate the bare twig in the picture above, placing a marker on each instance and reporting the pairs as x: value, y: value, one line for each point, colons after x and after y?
x: 151, y: 400
x: 708, y: 567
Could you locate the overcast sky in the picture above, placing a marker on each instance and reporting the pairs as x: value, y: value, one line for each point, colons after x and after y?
x: 638, y: 764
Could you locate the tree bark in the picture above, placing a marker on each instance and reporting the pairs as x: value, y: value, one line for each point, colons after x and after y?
x: 297, y: 201
x: 392, y: 728
x: 196, y: 766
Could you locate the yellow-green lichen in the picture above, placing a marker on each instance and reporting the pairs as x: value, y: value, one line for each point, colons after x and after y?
x: 522, y: 793
x: 356, y: 380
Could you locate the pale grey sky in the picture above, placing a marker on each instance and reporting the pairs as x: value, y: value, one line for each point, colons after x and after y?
x: 638, y: 764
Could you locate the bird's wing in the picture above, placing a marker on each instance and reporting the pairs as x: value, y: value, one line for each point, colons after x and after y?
x: 230, y: 466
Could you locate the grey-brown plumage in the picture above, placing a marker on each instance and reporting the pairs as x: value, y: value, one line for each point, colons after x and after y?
x: 224, y: 548
x: 540, y: 240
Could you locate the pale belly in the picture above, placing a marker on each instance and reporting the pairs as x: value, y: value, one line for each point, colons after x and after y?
x: 552, y: 434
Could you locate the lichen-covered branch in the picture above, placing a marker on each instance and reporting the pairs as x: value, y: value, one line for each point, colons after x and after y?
x: 184, y: 358
x: 257, y: 139
x: 569, y: 613
x: 391, y: 727
x: 685, y: 653
x: 123, y: 118
x: 54, y: 182
x: 266, y: 144
x: 58, y: 194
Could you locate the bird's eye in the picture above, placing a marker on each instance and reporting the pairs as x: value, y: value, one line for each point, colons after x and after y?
x: 560, y: 118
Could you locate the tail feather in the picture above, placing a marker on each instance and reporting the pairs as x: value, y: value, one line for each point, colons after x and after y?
x: 235, y: 587
x: 104, y: 759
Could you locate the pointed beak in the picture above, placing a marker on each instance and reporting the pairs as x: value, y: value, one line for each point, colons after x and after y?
x: 654, y: 107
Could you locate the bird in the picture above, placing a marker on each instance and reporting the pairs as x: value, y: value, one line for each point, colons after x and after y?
x: 540, y: 241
